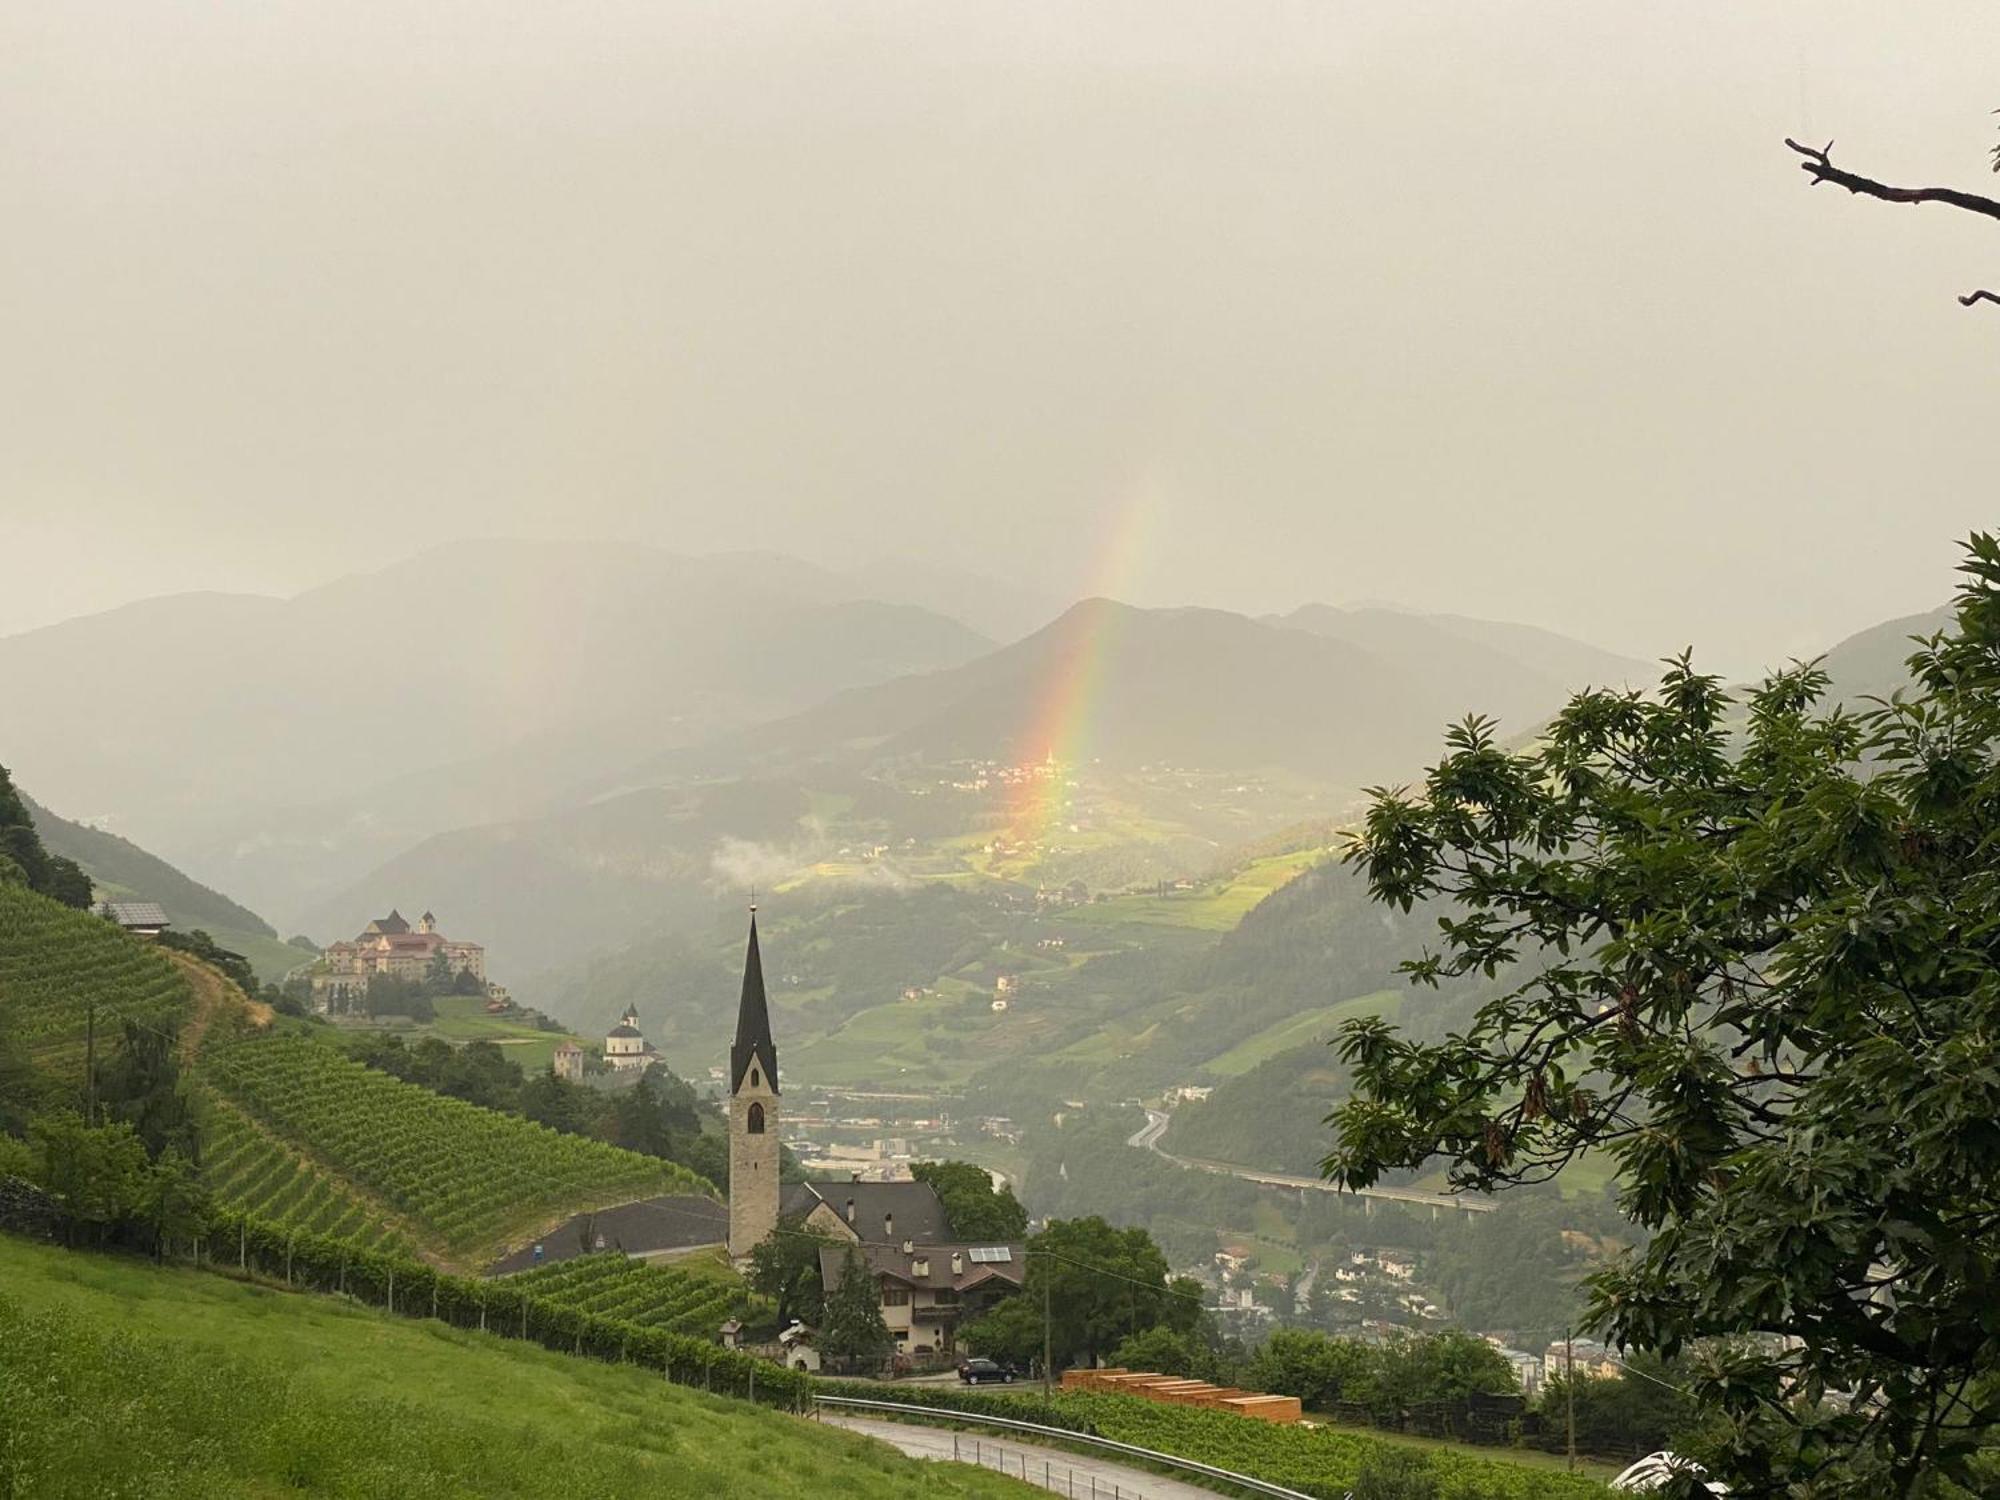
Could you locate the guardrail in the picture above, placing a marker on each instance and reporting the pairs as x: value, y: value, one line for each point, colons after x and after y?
x: 1064, y: 1435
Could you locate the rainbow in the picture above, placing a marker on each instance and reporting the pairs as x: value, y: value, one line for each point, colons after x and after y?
x: 1059, y: 733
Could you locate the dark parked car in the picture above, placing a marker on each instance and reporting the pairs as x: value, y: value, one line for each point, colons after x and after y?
x: 977, y: 1371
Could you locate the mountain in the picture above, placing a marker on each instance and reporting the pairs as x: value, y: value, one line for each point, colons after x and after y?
x: 1512, y: 671
x: 1873, y: 662
x: 121, y: 871
x: 1199, y: 687
x: 282, y: 746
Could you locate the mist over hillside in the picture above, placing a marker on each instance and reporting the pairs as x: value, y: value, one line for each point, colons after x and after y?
x: 278, y: 747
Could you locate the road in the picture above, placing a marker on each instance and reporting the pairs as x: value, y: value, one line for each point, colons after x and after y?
x: 1148, y: 1139
x: 1044, y: 1468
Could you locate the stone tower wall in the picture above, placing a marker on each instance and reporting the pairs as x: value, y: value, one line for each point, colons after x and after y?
x: 753, y: 1167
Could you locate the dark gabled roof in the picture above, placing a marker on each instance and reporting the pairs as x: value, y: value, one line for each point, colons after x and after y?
x: 391, y: 924
x: 622, y: 1031
x: 914, y: 1208
x: 753, y: 1020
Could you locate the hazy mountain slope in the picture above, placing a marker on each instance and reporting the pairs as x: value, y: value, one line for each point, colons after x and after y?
x: 1503, y: 669
x: 121, y: 870
x: 1871, y: 663
x: 245, y: 738
x: 1128, y: 686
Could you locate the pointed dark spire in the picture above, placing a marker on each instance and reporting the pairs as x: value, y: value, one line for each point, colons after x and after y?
x: 753, y: 1020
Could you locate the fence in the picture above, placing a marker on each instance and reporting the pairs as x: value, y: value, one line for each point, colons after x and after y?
x: 897, y: 1409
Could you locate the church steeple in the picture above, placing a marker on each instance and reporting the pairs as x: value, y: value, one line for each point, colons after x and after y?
x: 753, y: 1021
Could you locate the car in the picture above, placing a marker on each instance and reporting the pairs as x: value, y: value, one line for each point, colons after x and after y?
x: 978, y: 1371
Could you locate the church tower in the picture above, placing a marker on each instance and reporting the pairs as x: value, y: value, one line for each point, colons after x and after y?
x: 753, y: 1112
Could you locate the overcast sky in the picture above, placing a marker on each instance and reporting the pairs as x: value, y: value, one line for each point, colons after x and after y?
x: 1518, y: 309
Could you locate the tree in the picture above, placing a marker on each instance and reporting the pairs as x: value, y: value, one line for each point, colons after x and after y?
x: 1010, y: 1332
x: 175, y: 1202
x: 1103, y: 1285
x: 1317, y: 1369
x: 973, y: 1208
x: 1750, y: 956
x: 1165, y: 1352
x: 141, y: 1085
x: 96, y: 1175
x: 784, y: 1266
x: 1818, y: 165
x: 853, y: 1333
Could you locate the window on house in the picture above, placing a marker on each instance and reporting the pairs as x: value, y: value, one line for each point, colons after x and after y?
x: 895, y: 1296
x: 756, y: 1119
x: 945, y: 1296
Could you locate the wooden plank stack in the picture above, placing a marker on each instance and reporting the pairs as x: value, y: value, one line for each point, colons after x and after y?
x: 1183, y: 1392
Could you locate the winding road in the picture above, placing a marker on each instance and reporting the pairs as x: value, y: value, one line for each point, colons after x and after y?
x: 1148, y: 1139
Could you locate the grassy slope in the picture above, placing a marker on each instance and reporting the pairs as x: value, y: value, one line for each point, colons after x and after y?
x: 1311, y: 1026
x: 119, y: 1379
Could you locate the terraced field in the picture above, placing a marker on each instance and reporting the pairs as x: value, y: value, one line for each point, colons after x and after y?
x: 56, y: 963
x: 251, y: 1172
x: 693, y: 1302
x: 472, y: 1177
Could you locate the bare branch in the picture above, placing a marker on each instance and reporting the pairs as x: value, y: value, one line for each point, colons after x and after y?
x: 1818, y: 165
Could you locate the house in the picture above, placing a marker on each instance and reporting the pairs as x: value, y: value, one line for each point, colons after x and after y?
x: 926, y: 1290
x: 1585, y: 1356
x: 141, y: 918
x: 1527, y: 1370
x: 391, y: 946
x: 883, y: 1212
x: 568, y: 1062
x: 626, y: 1048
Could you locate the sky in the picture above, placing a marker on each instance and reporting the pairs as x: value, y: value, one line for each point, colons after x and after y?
x: 1512, y: 309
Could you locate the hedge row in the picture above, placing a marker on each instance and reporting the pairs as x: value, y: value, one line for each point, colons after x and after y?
x: 409, y: 1288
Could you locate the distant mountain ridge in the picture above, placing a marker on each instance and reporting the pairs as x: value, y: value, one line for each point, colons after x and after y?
x: 277, y: 746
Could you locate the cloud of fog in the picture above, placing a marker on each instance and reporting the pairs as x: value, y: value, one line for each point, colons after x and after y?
x: 745, y: 864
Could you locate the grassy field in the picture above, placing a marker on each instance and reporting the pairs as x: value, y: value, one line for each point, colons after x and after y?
x: 463, y: 1018
x: 1214, y: 906
x: 1312, y: 1025
x: 117, y: 1379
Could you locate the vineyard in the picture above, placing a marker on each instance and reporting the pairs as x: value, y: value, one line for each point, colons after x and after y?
x: 613, y: 1286
x: 472, y: 1176
x: 252, y: 1174
x: 1314, y: 1460
x: 55, y: 961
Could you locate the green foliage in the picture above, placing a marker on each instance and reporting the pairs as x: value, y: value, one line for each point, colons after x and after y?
x: 972, y: 1207
x: 472, y: 1176
x: 248, y: 1171
x: 1755, y: 967
x: 1167, y: 1353
x: 1629, y: 1414
x: 1011, y: 1332
x: 612, y: 1285
x: 24, y: 860
x: 95, y: 1174
x: 1319, y: 1370
x: 200, y: 945
x: 56, y: 965
x: 118, y: 1379
x: 852, y: 1334
x: 1102, y: 1286
x: 784, y: 1266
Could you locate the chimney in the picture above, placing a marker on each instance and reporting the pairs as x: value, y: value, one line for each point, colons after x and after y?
x: 909, y: 1246
x: 889, y: 1227
x: 957, y: 1264
x: 850, y: 1210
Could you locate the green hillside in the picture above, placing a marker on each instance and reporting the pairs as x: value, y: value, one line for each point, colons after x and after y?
x: 473, y: 1178
x: 56, y: 963
x: 691, y: 1299
x: 117, y: 1379
x: 122, y: 871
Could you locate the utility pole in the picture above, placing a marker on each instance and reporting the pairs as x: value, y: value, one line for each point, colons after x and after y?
x: 90, y: 1064
x: 1048, y: 1373
x: 1569, y: 1391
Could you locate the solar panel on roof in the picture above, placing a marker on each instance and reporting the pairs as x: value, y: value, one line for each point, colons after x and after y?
x: 990, y: 1255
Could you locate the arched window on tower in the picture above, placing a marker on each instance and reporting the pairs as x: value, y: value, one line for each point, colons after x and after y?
x: 756, y: 1119
x: 754, y: 1081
